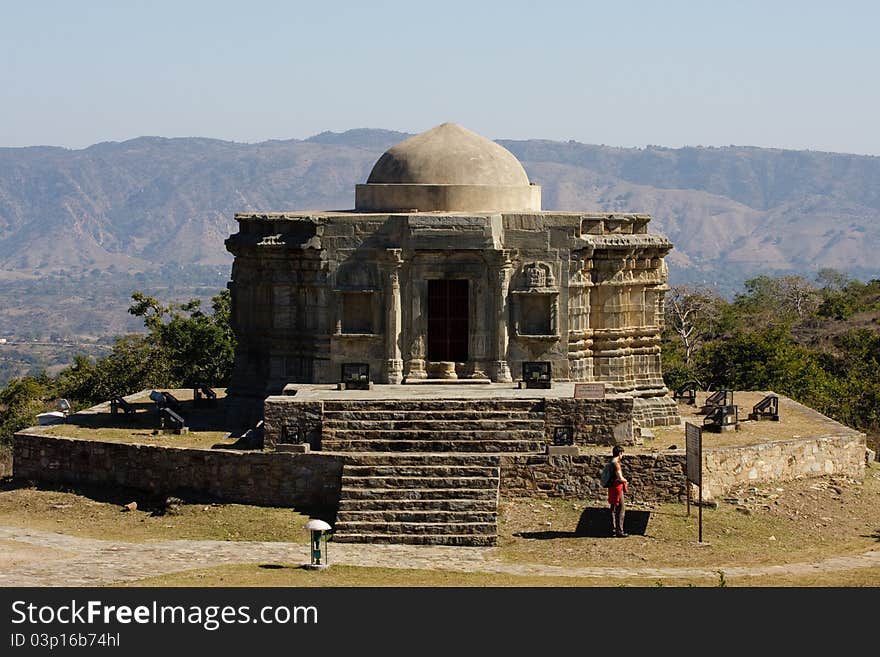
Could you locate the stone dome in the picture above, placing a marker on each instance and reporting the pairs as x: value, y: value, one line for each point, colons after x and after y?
x: 448, y: 155
x: 447, y: 168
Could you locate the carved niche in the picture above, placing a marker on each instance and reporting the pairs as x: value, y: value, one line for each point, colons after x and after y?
x: 356, y: 298
x: 536, y: 302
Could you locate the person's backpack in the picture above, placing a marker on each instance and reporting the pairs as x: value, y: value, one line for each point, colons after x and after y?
x: 607, y: 477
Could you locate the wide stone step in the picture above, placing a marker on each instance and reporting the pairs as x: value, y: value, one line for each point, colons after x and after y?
x: 399, y: 470
x: 431, y: 516
x: 418, y: 482
x: 420, y: 494
x: 432, y: 425
x: 442, y: 415
x: 434, y: 405
x: 464, y: 540
x: 333, y: 445
x: 490, y: 505
x: 431, y: 458
x: 422, y: 528
x: 438, y: 434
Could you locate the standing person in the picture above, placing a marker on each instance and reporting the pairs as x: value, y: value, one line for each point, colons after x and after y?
x: 618, y: 487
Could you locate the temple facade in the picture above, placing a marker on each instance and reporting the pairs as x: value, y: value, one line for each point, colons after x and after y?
x: 447, y: 268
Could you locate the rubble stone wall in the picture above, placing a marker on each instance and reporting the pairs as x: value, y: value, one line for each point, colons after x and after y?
x: 652, y: 477
x: 726, y: 467
x: 308, y: 482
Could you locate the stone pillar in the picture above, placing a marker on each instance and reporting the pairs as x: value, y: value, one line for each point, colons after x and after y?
x: 418, y: 327
x: 393, y: 320
x: 501, y: 273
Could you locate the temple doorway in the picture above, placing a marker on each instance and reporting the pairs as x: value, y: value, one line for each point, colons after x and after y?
x: 448, y: 309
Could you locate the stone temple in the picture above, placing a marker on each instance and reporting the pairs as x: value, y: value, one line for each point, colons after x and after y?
x: 444, y: 286
x: 448, y: 269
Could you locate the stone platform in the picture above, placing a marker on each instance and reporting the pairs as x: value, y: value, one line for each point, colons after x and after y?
x: 433, y: 388
x: 316, y: 413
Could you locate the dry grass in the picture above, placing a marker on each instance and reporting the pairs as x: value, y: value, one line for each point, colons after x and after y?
x: 141, y: 436
x: 804, y: 520
x: 97, y: 513
x: 206, y: 424
x: 795, y: 421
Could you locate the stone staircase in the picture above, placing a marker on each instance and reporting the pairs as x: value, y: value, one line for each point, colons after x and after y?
x: 425, y: 472
x: 447, y: 425
x: 429, y: 499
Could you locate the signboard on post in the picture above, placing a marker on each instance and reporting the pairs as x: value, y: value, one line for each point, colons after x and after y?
x: 694, y: 453
x: 589, y: 391
x: 694, y: 465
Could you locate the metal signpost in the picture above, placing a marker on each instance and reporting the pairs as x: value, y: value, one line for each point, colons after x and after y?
x: 694, y: 459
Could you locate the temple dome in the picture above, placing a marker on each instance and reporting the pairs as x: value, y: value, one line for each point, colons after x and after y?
x: 448, y: 155
x: 447, y: 168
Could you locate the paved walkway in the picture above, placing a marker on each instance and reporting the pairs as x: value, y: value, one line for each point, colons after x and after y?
x: 62, y: 560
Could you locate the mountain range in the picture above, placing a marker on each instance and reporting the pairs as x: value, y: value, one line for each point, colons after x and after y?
x: 151, y: 202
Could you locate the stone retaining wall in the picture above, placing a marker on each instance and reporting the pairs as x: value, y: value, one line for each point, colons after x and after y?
x: 594, y: 421
x: 653, y: 477
x: 659, y: 477
x: 311, y: 482
x: 307, y: 482
x: 726, y: 467
x: 282, y: 414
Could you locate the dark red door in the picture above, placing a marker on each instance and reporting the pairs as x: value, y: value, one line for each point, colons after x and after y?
x: 448, y: 320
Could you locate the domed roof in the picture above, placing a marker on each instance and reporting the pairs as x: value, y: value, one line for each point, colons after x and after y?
x: 448, y: 155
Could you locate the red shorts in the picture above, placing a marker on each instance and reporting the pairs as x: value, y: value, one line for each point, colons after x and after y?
x: 615, y: 494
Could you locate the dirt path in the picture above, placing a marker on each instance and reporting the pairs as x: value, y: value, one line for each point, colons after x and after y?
x: 37, y: 558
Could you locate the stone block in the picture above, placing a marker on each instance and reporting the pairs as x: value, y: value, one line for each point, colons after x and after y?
x: 299, y: 448
x: 562, y: 450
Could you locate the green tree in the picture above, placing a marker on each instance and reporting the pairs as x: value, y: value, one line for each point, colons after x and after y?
x: 781, y: 298
x: 21, y: 401
x: 135, y: 363
x: 183, y: 347
x: 197, y: 347
x: 768, y: 359
x: 858, y: 368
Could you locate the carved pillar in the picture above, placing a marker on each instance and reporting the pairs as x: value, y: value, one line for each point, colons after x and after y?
x: 501, y: 273
x: 580, y: 341
x: 393, y: 321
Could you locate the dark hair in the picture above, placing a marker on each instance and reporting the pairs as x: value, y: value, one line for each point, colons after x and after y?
x: 617, y: 451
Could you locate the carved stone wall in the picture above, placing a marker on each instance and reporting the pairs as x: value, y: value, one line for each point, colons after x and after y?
x: 582, y: 291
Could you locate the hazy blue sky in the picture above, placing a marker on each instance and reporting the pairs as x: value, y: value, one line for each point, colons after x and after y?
x: 800, y: 75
